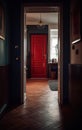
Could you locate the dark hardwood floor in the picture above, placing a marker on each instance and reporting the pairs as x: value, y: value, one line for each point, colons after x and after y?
x: 40, y: 111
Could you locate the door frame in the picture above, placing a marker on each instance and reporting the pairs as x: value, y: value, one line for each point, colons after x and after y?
x: 49, y: 8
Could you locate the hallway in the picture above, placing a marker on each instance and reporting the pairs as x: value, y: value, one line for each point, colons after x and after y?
x: 40, y: 111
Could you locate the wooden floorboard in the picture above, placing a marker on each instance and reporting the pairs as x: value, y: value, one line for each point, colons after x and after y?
x: 40, y: 111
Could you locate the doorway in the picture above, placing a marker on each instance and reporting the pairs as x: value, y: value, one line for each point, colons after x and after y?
x: 59, y: 63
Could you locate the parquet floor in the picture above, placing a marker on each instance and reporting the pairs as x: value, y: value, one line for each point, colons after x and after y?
x: 40, y: 111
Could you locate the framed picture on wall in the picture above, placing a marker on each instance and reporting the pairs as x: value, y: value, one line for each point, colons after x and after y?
x: 75, y: 21
x: 2, y: 23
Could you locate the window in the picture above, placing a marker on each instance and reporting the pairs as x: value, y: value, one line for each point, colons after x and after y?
x: 54, y: 44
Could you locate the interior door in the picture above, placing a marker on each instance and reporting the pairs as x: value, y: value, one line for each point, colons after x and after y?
x: 38, y: 56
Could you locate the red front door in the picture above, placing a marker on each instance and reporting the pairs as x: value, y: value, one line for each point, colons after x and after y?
x: 38, y: 56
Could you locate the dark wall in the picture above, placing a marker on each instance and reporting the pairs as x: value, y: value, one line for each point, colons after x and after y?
x: 4, y: 63
x: 75, y: 85
x: 10, y: 64
x: 32, y: 29
x: 43, y: 2
x: 4, y: 74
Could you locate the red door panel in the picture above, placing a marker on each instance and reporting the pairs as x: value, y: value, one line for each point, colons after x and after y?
x: 38, y: 56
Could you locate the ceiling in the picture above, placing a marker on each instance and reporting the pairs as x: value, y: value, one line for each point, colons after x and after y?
x: 45, y: 18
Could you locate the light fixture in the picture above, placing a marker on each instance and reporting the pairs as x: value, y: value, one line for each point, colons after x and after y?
x: 41, y: 25
x: 40, y: 22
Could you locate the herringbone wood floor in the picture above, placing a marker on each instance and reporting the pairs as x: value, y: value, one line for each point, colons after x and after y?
x: 39, y: 112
